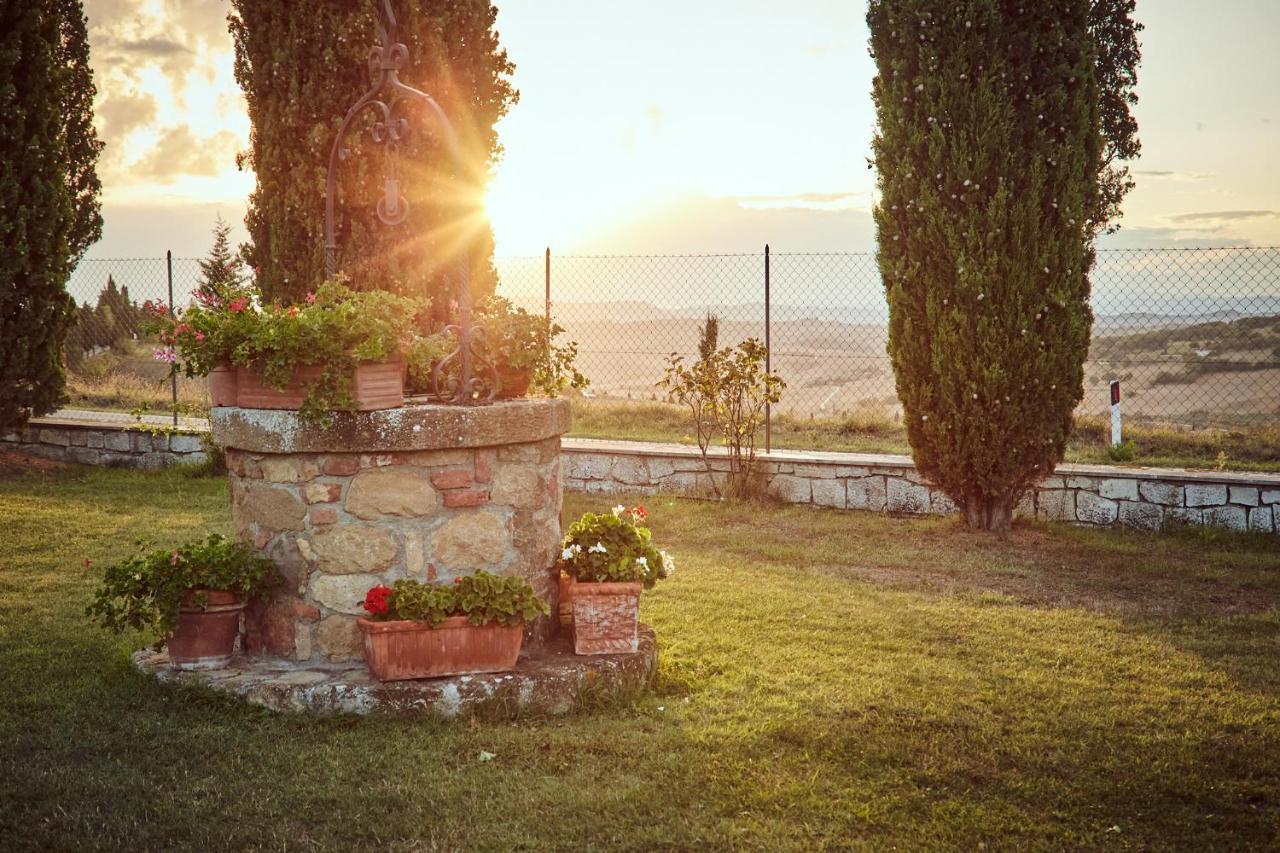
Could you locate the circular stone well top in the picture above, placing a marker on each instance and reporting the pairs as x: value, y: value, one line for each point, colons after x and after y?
x: 408, y: 428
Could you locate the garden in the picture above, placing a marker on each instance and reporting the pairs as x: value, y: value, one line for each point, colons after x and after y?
x: 826, y: 679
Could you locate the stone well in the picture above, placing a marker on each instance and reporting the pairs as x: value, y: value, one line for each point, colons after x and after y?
x: 428, y: 492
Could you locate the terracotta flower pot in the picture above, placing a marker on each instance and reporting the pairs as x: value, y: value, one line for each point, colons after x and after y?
x: 398, y: 650
x: 205, y: 637
x: 567, y: 584
x: 513, y: 382
x: 374, y: 385
x: 605, y: 618
x: 222, y: 385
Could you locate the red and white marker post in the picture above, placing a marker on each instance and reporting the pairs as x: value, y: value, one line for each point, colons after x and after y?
x: 1115, y: 412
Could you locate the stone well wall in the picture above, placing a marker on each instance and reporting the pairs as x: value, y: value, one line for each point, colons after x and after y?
x: 426, y: 492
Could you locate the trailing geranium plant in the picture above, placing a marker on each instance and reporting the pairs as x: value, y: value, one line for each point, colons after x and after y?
x: 335, y: 329
x: 517, y: 341
x: 614, y: 547
x: 482, y: 597
x: 146, y: 590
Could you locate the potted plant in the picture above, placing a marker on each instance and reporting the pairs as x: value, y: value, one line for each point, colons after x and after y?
x: 475, y: 624
x: 607, y: 560
x: 339, y: 351
x: 523, y: 351
x: 190, y: 597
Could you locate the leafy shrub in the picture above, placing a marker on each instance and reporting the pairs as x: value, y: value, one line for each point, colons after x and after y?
x: 616, y: 547
x: 482, y: 597
x: 1125, y: 451
x: 146, y: 590
x: 516, y: 340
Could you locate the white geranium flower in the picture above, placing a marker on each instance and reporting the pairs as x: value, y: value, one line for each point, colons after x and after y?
x: 619, y: 510
x: 641, y: 561
x: 566, y: 554
x: 598, y: 548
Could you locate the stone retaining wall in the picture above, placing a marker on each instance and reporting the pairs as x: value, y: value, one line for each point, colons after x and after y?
x: 107, y: 443
x: 1145, y: 498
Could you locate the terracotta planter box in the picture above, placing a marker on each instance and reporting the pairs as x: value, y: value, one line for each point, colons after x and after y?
x: 205, y: 637
x: 222, y: 385
x: 399, y: 650
x: 514, y: 383
x: 565, y: 614
x: 605, y: 618
x: 374, y: 385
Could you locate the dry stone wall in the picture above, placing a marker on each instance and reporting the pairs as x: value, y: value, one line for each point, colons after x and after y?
x: 1145, y: 498
x: 88, y: 443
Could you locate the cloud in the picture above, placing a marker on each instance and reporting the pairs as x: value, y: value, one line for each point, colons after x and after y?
x: 121, y: 114
x: 806, y: 201
x: 1168, y: 175
x: 180, y: 152
x: 1214, y: 216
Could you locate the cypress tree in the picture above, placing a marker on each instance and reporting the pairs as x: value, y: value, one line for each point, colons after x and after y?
x: 301, y: 65
x: 991, y: 156
x: 220, y: 270
x: 48, y: 195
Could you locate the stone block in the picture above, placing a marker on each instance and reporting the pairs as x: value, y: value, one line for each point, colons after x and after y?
x: 828, y: 493
x: 288, y: 469
x: 339, y: 465
x: 185, y: 443
x: 94, y: 439
x: 659, y: 467
x: 117, y: 441
x: 485, y: 461
x: 84, y: 455
x: 1262, y: 519
x: 866, y: 493
x: 1165, y: 494
x: 1024, y: 508
x: 1088, y: 484
x: 321, y: 493
x: 141, y: 442
x: 415, y: 561
x: 269, y: 625
x: 1119, y: 489
x: 437, y: 458
x: 1092, y: 509
x: 1230, y: 517
x: 906, y: 496
x: 1056, y: 504
x: 273, y: 507
x: 1053, y: 483
x: 1243, y: 495
x: 465, y: 497
x: 852, y: 471
x: 469, y: 542
x: 76, y: 437
x: 519, y: 453
x: 815, y: 472
x: 351, y: 548
x: 303, y: 647
x: 322, y: 515
x: 587, y: 466
x: 342, y: 593
x: 941, y: 504
x: 631, y: 470
x: 451, y: 478
x: 1177, y: 516
x: 791, y: 489
x: 518, y: 485
x: 1140, y: 515
x: 1205, y: 494
x: 60, y: 437
x: 338, y: 638
x: 402, y: 492
x: 688, y: 463
x: 1270, y: 496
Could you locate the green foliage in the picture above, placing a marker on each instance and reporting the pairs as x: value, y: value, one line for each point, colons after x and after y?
x: 334, y: 330
x: 114, y: 320
x: 302, y: 65
x: 482, y: 597
x: 221, y: 271
x: 145, y: 591
x: 614, y: 547
x: 516, y: 340
x: 988, y: 151
x: 48, y: 196
x: 1125, y: 451
x: 727, y: 391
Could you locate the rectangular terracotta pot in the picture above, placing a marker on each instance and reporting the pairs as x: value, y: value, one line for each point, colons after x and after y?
x: 605, y: 616
x: 565, y: 615
x: 398, y: 650
x: 222, y: 385
x: 374, y: 385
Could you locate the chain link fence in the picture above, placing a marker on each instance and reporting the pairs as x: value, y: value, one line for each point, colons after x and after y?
x: 1192, y: 334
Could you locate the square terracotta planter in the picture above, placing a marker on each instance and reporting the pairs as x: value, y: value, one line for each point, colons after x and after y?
x: 399, y: 650
x: 374, y: 385
x: 222, y: 385
x: 605, y: 616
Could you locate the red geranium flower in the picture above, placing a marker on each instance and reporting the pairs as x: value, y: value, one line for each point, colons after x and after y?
x: 239, y: 304
x: 377, y: 600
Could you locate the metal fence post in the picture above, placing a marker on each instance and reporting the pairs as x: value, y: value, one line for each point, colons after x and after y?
x: 173, y: 377
x: 768, y: 354
x: 547, y: 304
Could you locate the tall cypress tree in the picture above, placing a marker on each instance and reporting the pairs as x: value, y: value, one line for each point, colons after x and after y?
x: 48, y: 195
x: 301, y: 65
x: 991, y: 158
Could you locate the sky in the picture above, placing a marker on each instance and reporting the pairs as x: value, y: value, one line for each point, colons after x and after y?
x: 673, y: 126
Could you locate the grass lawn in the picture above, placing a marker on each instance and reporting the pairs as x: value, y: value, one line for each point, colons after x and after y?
x: 827, y: 680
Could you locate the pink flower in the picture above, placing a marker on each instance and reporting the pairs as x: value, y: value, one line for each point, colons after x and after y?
x: 199, y: 336
x: 239, y: 304
x: 293, y: 310
x: 311, y: 299
x: 166, y: 354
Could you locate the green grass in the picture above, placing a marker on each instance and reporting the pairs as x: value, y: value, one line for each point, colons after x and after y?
x: 826, y: 680
x: 1235, y: 448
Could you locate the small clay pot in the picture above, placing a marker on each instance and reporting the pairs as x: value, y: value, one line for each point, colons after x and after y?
x: 514, y: 382
x: 222, y: 385
x: 205, y: 637
x: 605, y: 618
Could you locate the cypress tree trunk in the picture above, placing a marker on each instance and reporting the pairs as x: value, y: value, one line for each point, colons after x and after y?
x: 302, y: 64
x: 48, y: 196
x: 988, y: 152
